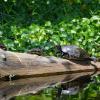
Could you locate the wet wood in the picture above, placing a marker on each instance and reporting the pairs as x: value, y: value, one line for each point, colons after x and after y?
x: 27, y: 65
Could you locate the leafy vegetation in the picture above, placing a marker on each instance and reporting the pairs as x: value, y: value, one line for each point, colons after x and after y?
x: 26, y: 24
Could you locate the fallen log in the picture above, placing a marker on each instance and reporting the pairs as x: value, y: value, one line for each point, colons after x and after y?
x: 27, y: 65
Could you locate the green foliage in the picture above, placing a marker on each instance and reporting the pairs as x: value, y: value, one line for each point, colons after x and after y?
x: 83, y: 32
x: 25, y: 25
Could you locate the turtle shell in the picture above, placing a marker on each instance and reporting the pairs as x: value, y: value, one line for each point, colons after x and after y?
x: 74, y: 52
x: 37, y: 51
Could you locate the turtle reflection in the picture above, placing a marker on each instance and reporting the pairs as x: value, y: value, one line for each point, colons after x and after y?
x: 73, y: 87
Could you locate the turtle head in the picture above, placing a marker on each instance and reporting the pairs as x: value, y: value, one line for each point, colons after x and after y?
x: 93, y: 58
x: 58, y: 47
x: 57, y: 50
x: 3, y: 47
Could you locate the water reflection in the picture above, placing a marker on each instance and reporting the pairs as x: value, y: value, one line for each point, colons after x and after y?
x: 73, y: 87
x: 67, y: 84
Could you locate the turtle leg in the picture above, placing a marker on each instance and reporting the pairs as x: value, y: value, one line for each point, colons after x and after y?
x: 70, y: 56
x: 66, y: 56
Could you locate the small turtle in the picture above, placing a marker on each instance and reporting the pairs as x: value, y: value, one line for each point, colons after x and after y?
x: 37, y: 51
x: 74, y: 53
x: 3, y: 47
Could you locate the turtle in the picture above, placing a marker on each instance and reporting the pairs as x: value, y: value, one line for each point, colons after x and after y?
x: 2, y: 46
x: 37, y: 51
x: 74, y: 52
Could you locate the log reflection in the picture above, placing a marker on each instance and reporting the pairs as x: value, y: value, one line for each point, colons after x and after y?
x: 9, y: 89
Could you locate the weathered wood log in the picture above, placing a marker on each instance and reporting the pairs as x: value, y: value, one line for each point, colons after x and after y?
x: 25, y: 65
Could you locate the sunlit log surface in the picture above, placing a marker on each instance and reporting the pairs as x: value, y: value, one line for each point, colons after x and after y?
x: 26, y: 65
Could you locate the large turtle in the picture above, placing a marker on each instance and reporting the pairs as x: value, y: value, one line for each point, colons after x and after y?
x: 74, y: 52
